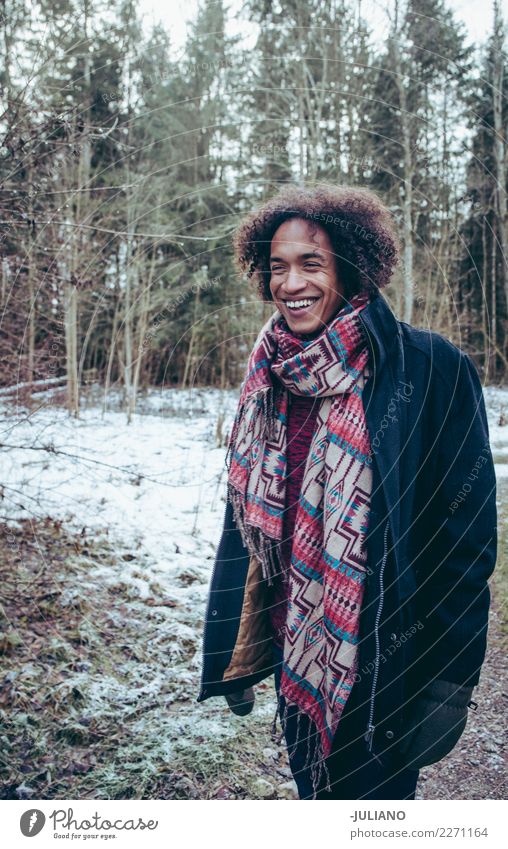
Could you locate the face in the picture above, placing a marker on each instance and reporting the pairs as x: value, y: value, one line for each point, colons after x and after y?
x: 304, y: 282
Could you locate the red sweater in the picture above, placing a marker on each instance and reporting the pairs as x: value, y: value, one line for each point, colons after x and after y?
x: 302, y: 415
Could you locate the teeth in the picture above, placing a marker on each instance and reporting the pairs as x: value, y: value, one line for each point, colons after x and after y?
x: 296, y: 304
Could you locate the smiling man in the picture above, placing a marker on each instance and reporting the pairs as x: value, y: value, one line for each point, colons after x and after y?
x: 347, y: 568
x: 305, y: 284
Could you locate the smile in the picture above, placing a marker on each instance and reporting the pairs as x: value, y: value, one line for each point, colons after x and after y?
x: 301, y: 305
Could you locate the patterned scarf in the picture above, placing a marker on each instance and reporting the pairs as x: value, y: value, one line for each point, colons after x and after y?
x: 328, y: 562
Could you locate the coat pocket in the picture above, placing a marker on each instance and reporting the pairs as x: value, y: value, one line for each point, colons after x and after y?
x: 434, y: 725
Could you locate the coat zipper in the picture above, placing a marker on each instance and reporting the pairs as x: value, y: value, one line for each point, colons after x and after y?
x: 202, y: 692
x: 369, y: 734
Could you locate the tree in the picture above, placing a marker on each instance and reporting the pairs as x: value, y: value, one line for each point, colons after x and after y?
x: 483, y: 292
x: 424, y: 66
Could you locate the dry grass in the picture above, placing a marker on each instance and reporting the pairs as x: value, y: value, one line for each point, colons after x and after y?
x: 99, y: 684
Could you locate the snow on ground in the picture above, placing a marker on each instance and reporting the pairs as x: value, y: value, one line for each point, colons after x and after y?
x: 156, y: 487
x: 156, y: 490
x: 158, y: 483
x: 496, y: 402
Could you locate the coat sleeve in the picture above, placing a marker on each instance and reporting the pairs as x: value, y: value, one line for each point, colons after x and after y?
x: 458, y: 531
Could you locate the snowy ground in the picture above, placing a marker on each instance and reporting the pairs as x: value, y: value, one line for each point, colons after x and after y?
x: 155, y: 490
x: 158, y: 483
x: 143, y: 506
x: 496, y: 402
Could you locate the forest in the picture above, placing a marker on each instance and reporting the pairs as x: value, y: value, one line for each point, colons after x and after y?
x: 125, y: 165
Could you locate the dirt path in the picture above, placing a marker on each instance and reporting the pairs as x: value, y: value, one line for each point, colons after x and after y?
x: 476, y: 769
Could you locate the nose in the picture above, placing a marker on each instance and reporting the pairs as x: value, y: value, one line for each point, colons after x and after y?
x: 294, y: 282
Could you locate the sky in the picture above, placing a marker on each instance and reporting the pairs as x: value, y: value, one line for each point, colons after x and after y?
x: 175, y: 14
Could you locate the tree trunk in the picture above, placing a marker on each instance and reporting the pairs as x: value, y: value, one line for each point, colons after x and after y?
x: 407, y: 182
x: 30, y: 278
x: 112, y: 347
x: 127, y: 336
x: 493, y: 277
x: 500, y: 228
x: 142, y: 326
x: 192, y: 342
x: 71, y: 347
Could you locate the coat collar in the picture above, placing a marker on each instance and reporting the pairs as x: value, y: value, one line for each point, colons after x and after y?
x: 382, y: 328
x: 381, y: 393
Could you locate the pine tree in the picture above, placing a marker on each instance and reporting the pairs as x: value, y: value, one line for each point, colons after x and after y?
x: 422, y: 68
x: 483, y: 294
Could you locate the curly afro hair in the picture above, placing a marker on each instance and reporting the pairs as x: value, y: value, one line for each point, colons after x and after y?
x: 360, y: 227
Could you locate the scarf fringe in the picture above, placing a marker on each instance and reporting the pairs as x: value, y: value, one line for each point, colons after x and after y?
x: 255, y: 541
x: 315, y: 758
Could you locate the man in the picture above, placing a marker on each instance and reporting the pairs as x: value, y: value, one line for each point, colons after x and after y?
x: 355, y: 572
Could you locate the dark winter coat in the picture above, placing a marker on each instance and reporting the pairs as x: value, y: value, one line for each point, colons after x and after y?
x: 431, y: 546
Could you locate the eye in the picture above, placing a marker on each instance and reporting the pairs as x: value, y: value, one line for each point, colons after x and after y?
x: 312, y: 265
x: 276, y: 269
